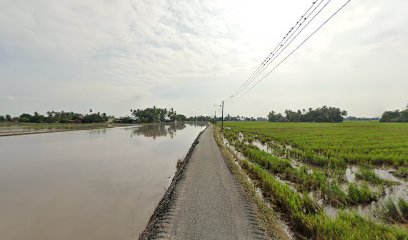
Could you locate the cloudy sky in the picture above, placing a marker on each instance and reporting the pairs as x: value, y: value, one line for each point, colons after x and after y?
x: 112, y: 56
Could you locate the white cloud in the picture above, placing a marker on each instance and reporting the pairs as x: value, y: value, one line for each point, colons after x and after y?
x: 116, y: 55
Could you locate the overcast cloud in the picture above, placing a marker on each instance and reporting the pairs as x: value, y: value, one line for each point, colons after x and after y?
x: 112, y: 56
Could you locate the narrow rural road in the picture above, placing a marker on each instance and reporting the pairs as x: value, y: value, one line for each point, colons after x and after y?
x: 209, y: 203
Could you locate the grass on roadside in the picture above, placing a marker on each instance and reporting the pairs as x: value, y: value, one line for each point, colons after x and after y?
x: 394, y: 211
x: 266, y: 215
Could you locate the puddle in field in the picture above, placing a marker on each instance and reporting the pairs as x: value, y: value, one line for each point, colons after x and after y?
x: 386, y: 174
x: 350, y: 174
x: 389, y: 192
x: 240, y: 136
x: 263, y: 147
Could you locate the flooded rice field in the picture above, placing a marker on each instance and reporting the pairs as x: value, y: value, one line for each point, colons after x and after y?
x: 395, y: 189
x: 91, y: 184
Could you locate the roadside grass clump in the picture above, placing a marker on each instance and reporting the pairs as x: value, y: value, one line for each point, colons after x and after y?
x: 281, y: 194
x: 360, y: 194
x: 369, y: 175
x: 393, y: 212
x: 267, y: 161
x: 332, y: 194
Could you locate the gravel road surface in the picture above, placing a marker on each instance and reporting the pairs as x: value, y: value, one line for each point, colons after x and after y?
x: 209, y: 202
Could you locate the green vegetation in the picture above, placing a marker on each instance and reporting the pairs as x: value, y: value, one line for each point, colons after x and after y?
x: 332, y: 144
x: 150, y: 115
x: 395, y: 116
x: 58, y: 117
x: 154, y: 114
x: 369, y: 175
x: 309, y: 220
x: 323, y: 114
x: 360, y: 194
x: 394, y: 212
x: 11, y: 126
x: 303, y: 170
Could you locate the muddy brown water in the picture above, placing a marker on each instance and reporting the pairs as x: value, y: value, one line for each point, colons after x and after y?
x: 92, y: 184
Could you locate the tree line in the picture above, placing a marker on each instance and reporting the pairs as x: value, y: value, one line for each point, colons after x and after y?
x: 155, y: 115
x: 395, y: 116
x: 58, y: 117
x: 322, y: 114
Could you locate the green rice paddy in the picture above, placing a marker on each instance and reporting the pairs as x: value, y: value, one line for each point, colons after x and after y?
x: 329, y: 180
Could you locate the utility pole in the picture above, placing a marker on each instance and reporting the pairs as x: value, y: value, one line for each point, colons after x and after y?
x: 222, y: 117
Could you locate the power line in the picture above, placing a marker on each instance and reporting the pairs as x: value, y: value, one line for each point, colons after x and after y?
x: 290, y: 39
x: 287, y: 45
x: 278, y: 50
x: 301, y: 44
x: 267, y: 59
x: 280, y: 44
x: 281, y: 49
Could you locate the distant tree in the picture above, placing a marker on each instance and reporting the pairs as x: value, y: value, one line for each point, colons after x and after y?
x: 395, y: 116
x: 8, y: 118
x: 323, y: 114
x: 94, y: 118
x: 2, y: 118
x: 25, y: 117
x: 276, y: 117
x: 37, y: 118
x: 293, y: 116
x: 180, y: 118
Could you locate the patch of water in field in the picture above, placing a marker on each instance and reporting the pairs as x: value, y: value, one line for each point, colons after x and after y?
x: 262, y: 147
x: 350, y: 174
x: 91, y: 184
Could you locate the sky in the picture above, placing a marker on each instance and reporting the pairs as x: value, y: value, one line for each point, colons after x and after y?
x: 113, y: 56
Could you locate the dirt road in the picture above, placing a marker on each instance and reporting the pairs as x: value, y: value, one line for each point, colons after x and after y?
x: 208, y: 202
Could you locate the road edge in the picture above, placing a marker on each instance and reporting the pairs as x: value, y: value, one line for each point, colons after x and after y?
x: 164, y: 204
x: 267, y: 217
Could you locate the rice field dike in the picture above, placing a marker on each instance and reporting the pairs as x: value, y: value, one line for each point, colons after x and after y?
x: 328, y: 180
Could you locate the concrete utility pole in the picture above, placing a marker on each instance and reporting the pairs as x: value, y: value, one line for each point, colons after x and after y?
x: 222, y: 117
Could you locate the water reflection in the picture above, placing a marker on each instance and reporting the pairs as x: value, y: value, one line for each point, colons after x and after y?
x: 87, y: 185
x: 162, y: 130
x: 97, y: 131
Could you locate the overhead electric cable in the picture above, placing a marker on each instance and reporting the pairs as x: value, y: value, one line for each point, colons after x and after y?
x: 292, y: 52
x: 283, y: 46
x: 286, y: 45
x: 280, y: 44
